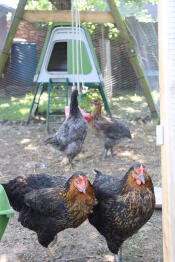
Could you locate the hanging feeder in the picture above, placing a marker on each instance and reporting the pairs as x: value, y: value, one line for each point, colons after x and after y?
x: 5, y: 211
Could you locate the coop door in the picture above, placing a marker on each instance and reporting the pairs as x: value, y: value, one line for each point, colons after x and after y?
x: 85, y: 67
x: 58, y: 58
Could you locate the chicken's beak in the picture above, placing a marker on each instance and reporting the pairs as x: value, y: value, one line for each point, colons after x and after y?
x: 83, y: 189
x: 142, y: 178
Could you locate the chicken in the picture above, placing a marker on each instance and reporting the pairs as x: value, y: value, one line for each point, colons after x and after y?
x: 124, y: 206
x: 71, y: 134
x: 50, y: 204
x: 111, y: 130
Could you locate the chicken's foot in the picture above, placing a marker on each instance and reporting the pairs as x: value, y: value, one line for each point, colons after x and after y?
x: 49, y: 253
x: 54, y: 241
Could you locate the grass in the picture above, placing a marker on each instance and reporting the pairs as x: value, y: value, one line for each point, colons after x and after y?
x: 17, y: 109
x: 127, y: 106
x: 130, y: 106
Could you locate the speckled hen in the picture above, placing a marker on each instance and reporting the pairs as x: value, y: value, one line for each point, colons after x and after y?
x: 124, y: 206
x: 71, y: 134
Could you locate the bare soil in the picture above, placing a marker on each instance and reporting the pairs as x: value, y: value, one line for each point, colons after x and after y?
x: 22, y: 151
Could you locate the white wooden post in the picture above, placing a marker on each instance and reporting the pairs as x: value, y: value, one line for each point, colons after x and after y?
x: 167, y: 115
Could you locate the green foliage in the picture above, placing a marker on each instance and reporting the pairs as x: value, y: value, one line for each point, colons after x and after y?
x: 137, y: 3
x: 39, y: 5
x: 92, y: 5
x: 135, y: 8
x: 90, y: 26
x: 113, y: 32
x: 86, y: 99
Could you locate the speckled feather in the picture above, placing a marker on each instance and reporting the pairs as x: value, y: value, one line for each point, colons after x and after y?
x: 123, y: 207
x: 72, y: 133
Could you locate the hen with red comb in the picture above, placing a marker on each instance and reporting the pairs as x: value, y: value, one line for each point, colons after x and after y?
x: 124, y: 206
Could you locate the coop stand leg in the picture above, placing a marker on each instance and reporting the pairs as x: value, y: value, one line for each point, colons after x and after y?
x: 33, y: 102
x: 106, y: 105
x: 48, y: 107
x: 67, y: 91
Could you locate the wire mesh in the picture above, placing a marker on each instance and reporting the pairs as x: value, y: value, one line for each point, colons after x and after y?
x: 144, y: 36
x: 118, y: 74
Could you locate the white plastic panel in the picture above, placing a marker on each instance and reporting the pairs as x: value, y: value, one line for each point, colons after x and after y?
x: 64, y: 34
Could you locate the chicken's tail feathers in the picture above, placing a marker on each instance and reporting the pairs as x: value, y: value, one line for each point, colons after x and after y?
x: 97, y: 172
x: 48, y: 141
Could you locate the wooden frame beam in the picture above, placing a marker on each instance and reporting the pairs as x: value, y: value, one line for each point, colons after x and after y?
x: 65, y: 16
x: 167, y: 119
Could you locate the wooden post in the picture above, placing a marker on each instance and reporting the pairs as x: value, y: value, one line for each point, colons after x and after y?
x: 12, y: 31
x: 167, y: 118
x: 132, y: 56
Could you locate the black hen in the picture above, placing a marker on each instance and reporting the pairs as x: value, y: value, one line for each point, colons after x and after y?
x: 124, y: 206
x: 71, y: 134
x: 111, y: 130
x: 50, y: 204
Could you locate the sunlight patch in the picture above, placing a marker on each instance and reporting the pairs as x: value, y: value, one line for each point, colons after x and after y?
x: 31, y: 147
x: 25, y: 141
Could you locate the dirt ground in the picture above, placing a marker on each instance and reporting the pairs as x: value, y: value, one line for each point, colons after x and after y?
x: 22, y: 151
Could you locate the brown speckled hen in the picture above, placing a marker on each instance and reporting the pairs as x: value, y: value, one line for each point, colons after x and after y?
x: 124, y: 206
x: 110, y: 130
x: 50, y: 204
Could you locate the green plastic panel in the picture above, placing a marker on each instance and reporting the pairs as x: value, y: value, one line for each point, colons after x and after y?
x: 5, y: 211
x: 87, y: 68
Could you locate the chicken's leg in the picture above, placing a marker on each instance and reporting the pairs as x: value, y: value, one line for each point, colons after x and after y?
x: 70, y: 163
x: 118, y: 257
x: 111, y: 149
x: 48, y: 251
x: 105, y: 154
x: 54, y: 241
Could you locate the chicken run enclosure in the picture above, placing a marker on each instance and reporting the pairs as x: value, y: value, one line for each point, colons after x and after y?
x: 119, y: 67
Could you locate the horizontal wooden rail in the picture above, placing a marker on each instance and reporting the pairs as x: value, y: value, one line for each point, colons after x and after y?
x: 65, y: 16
